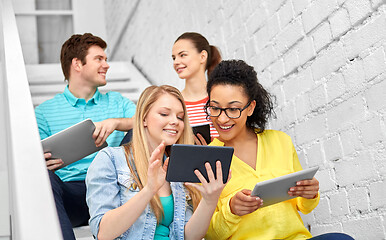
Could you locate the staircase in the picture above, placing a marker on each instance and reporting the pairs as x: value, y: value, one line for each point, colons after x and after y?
x: 27, y: 208
x: 46, y: 80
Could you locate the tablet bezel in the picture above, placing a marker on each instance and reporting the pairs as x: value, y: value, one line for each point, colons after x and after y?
x: 275, y: 190
x: 184, y: 159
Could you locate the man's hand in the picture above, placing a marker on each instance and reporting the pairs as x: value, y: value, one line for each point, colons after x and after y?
x: 104, y: 129
x: 52, y: 164
x: 243, y: 203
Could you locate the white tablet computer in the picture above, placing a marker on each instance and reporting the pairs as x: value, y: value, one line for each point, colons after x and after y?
x: 276, y: 190
x: 73, y: 143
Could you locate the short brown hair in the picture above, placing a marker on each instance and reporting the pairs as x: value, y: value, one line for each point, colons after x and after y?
x: 77, y: 47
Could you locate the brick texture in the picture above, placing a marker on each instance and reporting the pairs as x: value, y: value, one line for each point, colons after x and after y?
x: 325, y: 62
x: 370, y: 228
x: 340, y: 206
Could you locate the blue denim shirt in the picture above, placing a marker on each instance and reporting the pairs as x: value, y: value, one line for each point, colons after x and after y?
x: 109, y: 185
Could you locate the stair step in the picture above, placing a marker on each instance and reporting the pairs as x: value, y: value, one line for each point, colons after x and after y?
x: 83, y: 233
x: 46, y: 80
x: 122, y: 87
x: 52, y: 72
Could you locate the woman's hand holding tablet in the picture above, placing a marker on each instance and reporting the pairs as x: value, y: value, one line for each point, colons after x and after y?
x: 242, y: 203
x: 279, y: 189
x: 305, y: 188
x: 202, y: 134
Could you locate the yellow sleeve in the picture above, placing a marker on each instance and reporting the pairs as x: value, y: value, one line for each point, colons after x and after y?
x: 303, y: 204
x: 224, y: 223
x: 307, y: 205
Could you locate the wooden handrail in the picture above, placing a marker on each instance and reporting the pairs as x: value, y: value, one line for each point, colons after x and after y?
x: 32, y: 209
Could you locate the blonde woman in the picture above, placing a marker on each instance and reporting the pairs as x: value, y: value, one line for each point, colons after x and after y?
x: 127, y: 194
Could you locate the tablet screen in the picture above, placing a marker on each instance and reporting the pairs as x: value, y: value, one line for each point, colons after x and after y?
x: 204, y: 130
x: 184, y: 159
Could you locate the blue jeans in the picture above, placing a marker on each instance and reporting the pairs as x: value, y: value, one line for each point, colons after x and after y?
x: 127, y: 138
x: 70, y: 201
x: 332, y: 236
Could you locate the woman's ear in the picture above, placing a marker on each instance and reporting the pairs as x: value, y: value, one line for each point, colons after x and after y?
x: 144, y: 123
x: 203, y: 56
x: 251, y: 108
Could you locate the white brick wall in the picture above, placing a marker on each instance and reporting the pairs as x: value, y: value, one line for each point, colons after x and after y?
x: 378, y: 194
x: 365, y: 228
x: 340, y: 205
x: 325, y: 62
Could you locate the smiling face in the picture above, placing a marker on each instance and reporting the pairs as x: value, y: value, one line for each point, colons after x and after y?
x: 230, y: 96
x: 94, y: 71
x: 187, y: 61
x: 164, y: 121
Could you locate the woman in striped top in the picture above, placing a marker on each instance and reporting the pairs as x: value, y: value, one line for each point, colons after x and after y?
x: 192, y: 56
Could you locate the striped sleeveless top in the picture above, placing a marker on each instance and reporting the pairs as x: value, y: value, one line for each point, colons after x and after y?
x: 197, y: 115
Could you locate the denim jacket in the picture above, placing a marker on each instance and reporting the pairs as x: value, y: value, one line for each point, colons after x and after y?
x: 109, y: 185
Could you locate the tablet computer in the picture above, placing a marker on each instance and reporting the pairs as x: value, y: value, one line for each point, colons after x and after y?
x: 204, y: 130
x: 276, y: 190
x: 73, y: 143
x: 184, y: 159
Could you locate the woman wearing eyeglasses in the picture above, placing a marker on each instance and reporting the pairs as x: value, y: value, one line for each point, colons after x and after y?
x: 239, y: 108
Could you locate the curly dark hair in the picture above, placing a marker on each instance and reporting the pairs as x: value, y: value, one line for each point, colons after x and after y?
x: 238, y: 73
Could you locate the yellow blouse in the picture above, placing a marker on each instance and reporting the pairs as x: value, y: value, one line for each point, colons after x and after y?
x: 276, y: 156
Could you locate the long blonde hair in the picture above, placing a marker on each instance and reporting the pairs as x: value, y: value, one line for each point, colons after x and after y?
x: 139, y: 144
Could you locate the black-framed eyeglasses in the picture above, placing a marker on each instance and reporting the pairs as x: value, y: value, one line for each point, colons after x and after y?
x: 233, y: 113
